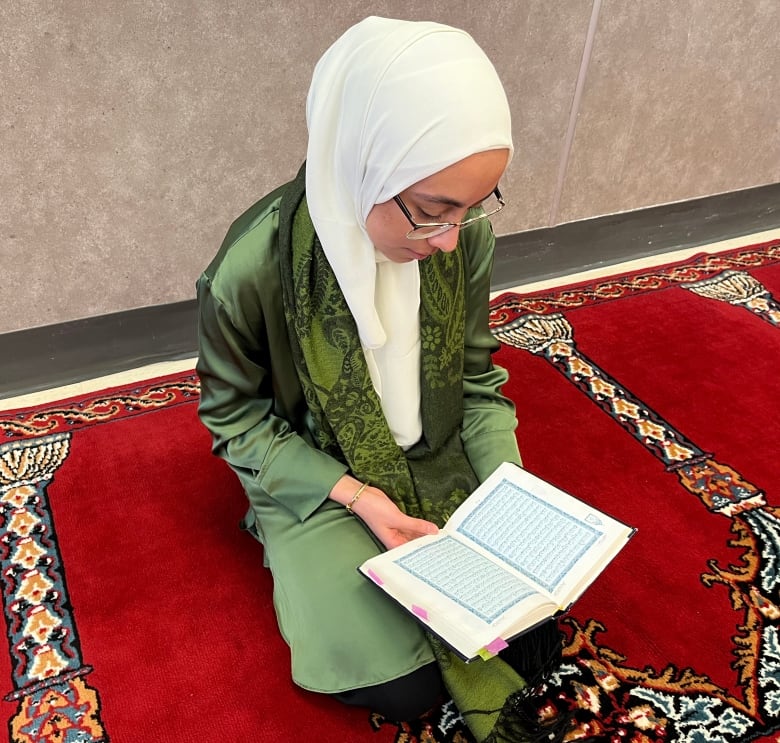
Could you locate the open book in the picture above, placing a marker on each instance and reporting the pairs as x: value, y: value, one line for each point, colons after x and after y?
x: 515, y: 553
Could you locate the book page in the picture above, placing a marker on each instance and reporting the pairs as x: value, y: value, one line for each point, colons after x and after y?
x: 481, y: 587
x: 535, y: 537
x: 516, y: 551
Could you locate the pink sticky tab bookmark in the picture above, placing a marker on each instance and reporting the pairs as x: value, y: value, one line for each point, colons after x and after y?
x: 419, y: 611
x: 497, y: 645
x: 374, y: 577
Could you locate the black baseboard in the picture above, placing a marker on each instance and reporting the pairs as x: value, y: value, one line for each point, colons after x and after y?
x: 54, y: 355
x: 593, y: 243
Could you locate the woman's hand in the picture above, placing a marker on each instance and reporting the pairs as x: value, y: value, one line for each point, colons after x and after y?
x: 375, y: 509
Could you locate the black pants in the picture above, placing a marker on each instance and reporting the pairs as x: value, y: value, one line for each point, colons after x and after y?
x: 401, y: 699
x: 533, y: 655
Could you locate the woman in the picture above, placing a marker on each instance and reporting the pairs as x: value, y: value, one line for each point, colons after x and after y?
x: 345, y: 355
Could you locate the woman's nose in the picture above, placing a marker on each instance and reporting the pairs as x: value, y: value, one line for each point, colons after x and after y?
x: 446, y: 241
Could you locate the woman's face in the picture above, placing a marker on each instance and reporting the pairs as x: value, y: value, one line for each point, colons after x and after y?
x: 445, y: 196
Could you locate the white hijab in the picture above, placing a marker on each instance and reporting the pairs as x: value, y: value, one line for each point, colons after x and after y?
x: 391, y: 103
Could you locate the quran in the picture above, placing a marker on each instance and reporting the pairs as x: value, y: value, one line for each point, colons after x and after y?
x: 516, y: 552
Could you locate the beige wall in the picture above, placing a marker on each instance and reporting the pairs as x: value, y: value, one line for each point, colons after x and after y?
x: 132, y: 133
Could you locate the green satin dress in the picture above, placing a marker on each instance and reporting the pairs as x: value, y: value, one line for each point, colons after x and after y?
x: 343, y: 633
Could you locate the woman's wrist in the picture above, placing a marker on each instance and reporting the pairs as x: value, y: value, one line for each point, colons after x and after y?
x: 355, y: 498
x: 345, y: 489
x: 351, y: 493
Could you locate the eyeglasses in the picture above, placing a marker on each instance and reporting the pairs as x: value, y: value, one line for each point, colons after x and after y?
x: 431, y: 229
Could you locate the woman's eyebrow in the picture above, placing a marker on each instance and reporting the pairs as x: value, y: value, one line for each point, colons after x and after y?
x: 437, y: 199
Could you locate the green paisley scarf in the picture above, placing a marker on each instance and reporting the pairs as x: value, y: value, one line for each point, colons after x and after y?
x: 433, y: 477
x: 338, y: 389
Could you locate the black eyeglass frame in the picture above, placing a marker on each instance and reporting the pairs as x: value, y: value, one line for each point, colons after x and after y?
x: 441, y: 227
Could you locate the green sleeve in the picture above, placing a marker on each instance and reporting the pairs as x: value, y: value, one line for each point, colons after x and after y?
x: 489, y: 420
x: 240, y: 331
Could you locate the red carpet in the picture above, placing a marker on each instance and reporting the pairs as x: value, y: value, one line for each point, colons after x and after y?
x: 136, y: 611
x: 654, y: 396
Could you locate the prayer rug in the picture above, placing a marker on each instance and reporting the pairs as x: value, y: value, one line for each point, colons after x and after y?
x: 654, y: 396
x: 136, y: 611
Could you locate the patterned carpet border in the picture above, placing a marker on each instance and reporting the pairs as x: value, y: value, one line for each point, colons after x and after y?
x: 99, y: 407
x: 510, y: 305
